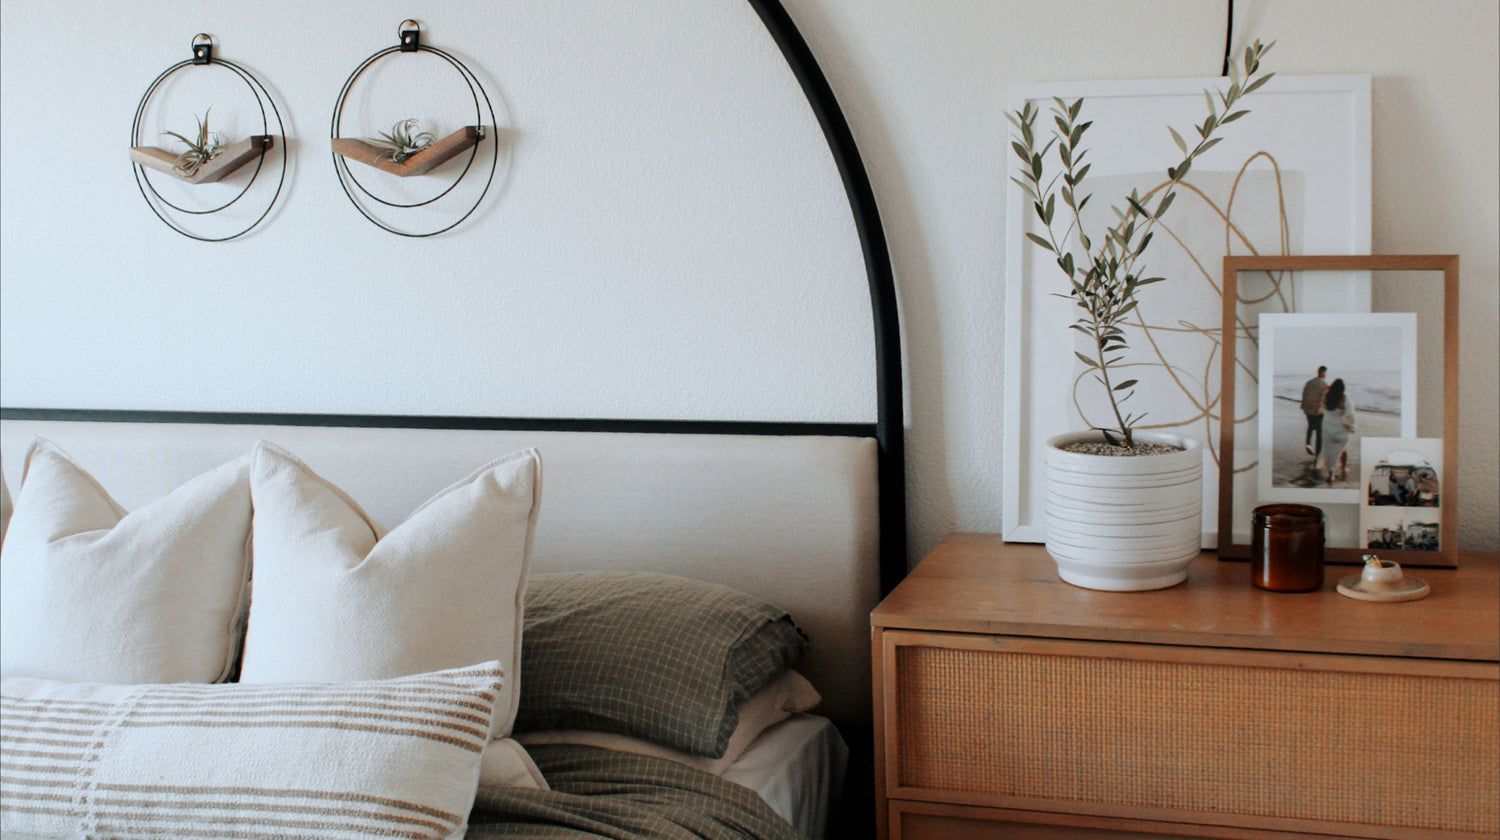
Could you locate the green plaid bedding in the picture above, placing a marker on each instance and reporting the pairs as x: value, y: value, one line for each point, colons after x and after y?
x: 652, y: 656
x: 600, y: 793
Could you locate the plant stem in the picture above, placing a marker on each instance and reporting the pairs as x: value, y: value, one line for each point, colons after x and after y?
x: 1127, y: 432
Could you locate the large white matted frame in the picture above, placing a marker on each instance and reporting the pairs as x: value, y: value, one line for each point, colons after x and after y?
x: 1292, y: 177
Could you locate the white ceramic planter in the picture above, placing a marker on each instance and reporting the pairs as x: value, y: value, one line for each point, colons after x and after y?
x: 1124, y: 523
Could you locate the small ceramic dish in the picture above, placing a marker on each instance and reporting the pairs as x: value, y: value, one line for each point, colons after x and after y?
x: 1382, y: 580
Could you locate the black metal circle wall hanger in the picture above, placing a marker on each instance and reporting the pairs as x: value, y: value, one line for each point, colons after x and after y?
x: 213, y: 164
x: 426, y: 157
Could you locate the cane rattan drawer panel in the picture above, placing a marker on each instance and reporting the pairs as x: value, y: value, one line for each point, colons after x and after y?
x: 1286, y: 736
x: 917, y: 826
x: 926, y: 821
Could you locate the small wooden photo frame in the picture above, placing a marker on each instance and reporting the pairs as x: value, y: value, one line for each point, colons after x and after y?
x: 1339, y: 312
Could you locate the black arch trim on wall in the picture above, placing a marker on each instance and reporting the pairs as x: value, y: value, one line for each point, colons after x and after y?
x: 888, y: 428
x: 889, y: 421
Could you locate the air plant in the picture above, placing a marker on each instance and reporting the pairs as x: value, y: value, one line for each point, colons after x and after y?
x: 1102, y: 273
x: 402, y: 141
x: 199, y: 152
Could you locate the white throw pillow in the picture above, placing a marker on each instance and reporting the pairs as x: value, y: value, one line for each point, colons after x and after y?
x: 333, y: 600
x: 93, y: 594
x: 351, y: 760
x: 782, y: 697
x: 506, y: 764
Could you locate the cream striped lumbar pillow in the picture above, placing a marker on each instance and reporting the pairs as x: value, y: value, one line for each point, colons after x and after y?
x: 381, y: 758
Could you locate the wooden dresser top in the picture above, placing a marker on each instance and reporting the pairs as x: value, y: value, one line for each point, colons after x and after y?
x: 976, y: 583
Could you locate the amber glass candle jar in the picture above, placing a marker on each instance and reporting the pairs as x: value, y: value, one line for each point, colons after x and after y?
x: 1286, y: 548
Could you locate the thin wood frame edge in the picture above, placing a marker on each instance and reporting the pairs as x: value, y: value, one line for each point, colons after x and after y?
x: 1447, y: 556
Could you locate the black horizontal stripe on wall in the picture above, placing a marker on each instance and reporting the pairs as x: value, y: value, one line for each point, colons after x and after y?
x: 411, y: 421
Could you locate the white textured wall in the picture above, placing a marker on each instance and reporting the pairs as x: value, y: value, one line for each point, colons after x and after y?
x: 924, y: 85
x: 670, y: 218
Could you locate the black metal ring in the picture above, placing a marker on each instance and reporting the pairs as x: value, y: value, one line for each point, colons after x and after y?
x: 262, y: 99
x: 135, y: 141
x: 338, y: 112
x: 476, y: 91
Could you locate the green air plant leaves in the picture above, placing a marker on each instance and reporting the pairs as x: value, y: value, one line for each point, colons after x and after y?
x: 403, y: 140
x: 201, y: 150
x: 1105, y: 290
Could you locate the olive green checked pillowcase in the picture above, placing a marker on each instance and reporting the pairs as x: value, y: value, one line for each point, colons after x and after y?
x: 657, y: 657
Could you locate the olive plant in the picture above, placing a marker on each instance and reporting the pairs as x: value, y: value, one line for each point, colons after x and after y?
x: 1104, y: 282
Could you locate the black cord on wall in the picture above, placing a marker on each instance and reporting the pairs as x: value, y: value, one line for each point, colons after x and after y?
x: 1228, y: 33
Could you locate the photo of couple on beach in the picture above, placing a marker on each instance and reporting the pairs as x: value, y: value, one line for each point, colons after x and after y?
x: 1326, y: 381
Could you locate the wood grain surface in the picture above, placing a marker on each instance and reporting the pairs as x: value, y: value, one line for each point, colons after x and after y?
x: 976, y: 583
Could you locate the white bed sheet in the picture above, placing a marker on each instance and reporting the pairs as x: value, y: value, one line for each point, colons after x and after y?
x: 798, y: 767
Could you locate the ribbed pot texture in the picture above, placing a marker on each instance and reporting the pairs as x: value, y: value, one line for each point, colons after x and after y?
x: 1124, y: 523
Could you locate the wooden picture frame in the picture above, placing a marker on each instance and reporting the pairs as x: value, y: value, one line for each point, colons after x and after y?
x: 1237, y: 332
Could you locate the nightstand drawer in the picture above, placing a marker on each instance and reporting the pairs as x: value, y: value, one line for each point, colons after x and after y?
x: 927, y: 821
x: 1284, y: 740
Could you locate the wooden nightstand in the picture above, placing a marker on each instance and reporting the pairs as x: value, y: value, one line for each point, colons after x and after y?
x: 1010, y: 704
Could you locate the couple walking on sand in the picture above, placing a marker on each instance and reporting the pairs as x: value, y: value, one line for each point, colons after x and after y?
x: 1328, y: 442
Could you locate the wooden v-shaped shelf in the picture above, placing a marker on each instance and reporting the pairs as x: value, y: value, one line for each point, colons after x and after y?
x: 227, y: 161
x: 420, y: 163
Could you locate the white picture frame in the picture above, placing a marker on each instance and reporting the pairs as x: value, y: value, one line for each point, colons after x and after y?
x: 1372, y: 357
x: 1317, y: 131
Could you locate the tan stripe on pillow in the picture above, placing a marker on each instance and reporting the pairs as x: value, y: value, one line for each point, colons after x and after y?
x: 374, y: 759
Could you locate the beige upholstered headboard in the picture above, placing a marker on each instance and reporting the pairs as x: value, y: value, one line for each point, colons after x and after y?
x: 791, y: 518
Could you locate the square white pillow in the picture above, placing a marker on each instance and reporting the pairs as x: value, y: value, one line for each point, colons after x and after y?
x: 334, y: 600
x: 93, y: 594
x: 376, y: 759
